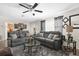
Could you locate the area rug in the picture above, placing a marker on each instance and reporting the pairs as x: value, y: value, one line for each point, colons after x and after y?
x: 37, y: 51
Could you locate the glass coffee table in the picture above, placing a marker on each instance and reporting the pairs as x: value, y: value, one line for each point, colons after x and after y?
x: 32, y: 46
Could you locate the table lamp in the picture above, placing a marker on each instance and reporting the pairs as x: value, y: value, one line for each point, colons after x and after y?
x: 69, y: 29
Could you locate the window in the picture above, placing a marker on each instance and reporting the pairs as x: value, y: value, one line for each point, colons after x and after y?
x: 43, y: 25
x: 58, y: 24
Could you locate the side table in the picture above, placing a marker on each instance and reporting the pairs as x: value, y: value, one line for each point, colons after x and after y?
x: 74, y: 47
x: 70, y: 48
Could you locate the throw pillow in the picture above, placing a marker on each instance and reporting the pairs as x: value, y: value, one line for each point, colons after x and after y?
x: 50, y: 36
x: 56, y: 36
x: 14, y: 36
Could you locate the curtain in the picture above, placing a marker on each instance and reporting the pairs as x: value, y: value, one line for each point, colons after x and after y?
x: 58, y: 24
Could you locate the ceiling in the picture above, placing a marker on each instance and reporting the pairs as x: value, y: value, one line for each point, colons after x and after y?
x: 14, y: 11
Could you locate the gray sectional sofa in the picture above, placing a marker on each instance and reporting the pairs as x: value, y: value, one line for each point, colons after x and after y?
x: 52, y: 41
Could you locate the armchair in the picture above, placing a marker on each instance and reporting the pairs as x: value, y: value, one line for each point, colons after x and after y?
x: 17, y: 38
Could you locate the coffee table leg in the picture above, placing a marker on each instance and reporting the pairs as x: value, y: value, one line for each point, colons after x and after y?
x: 30, y: 50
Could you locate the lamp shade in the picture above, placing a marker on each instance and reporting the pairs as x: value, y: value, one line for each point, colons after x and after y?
x: 69, y: 29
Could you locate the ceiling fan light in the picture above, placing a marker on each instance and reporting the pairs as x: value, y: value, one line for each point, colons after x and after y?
x: 33, y: 14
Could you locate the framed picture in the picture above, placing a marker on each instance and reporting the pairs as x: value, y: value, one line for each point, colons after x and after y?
x: 20, y: 25
x: 74, y: 21
x: 15, y: 26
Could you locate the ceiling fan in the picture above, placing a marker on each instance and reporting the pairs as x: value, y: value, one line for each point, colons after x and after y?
x: 30, y: 8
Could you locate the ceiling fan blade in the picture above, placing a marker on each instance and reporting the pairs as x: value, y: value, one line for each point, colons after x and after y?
x: 39, y: 11
x: 28, y: 5
x: 35, y: 5
x: 23, y: 6
x: 26, y: 11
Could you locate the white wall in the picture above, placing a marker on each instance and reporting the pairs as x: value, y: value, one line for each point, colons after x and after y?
x: 49, y: 25
x: 75, y: 32
x: 3, y: 30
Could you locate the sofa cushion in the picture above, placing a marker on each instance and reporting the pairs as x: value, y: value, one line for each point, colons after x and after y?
x: 40, y: 38
x: 49, y: 40
x: 39, y: 35
x: 21, y: 34
x: 50, y: 36
x: 18, y: 40
x: 46, y: 35
x: 13, y: 36
x: 56, y: 37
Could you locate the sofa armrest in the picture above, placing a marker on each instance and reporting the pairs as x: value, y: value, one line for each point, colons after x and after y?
x: 9, y: 41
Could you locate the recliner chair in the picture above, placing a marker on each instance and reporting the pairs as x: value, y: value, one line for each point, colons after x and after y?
x: 17, y: 38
